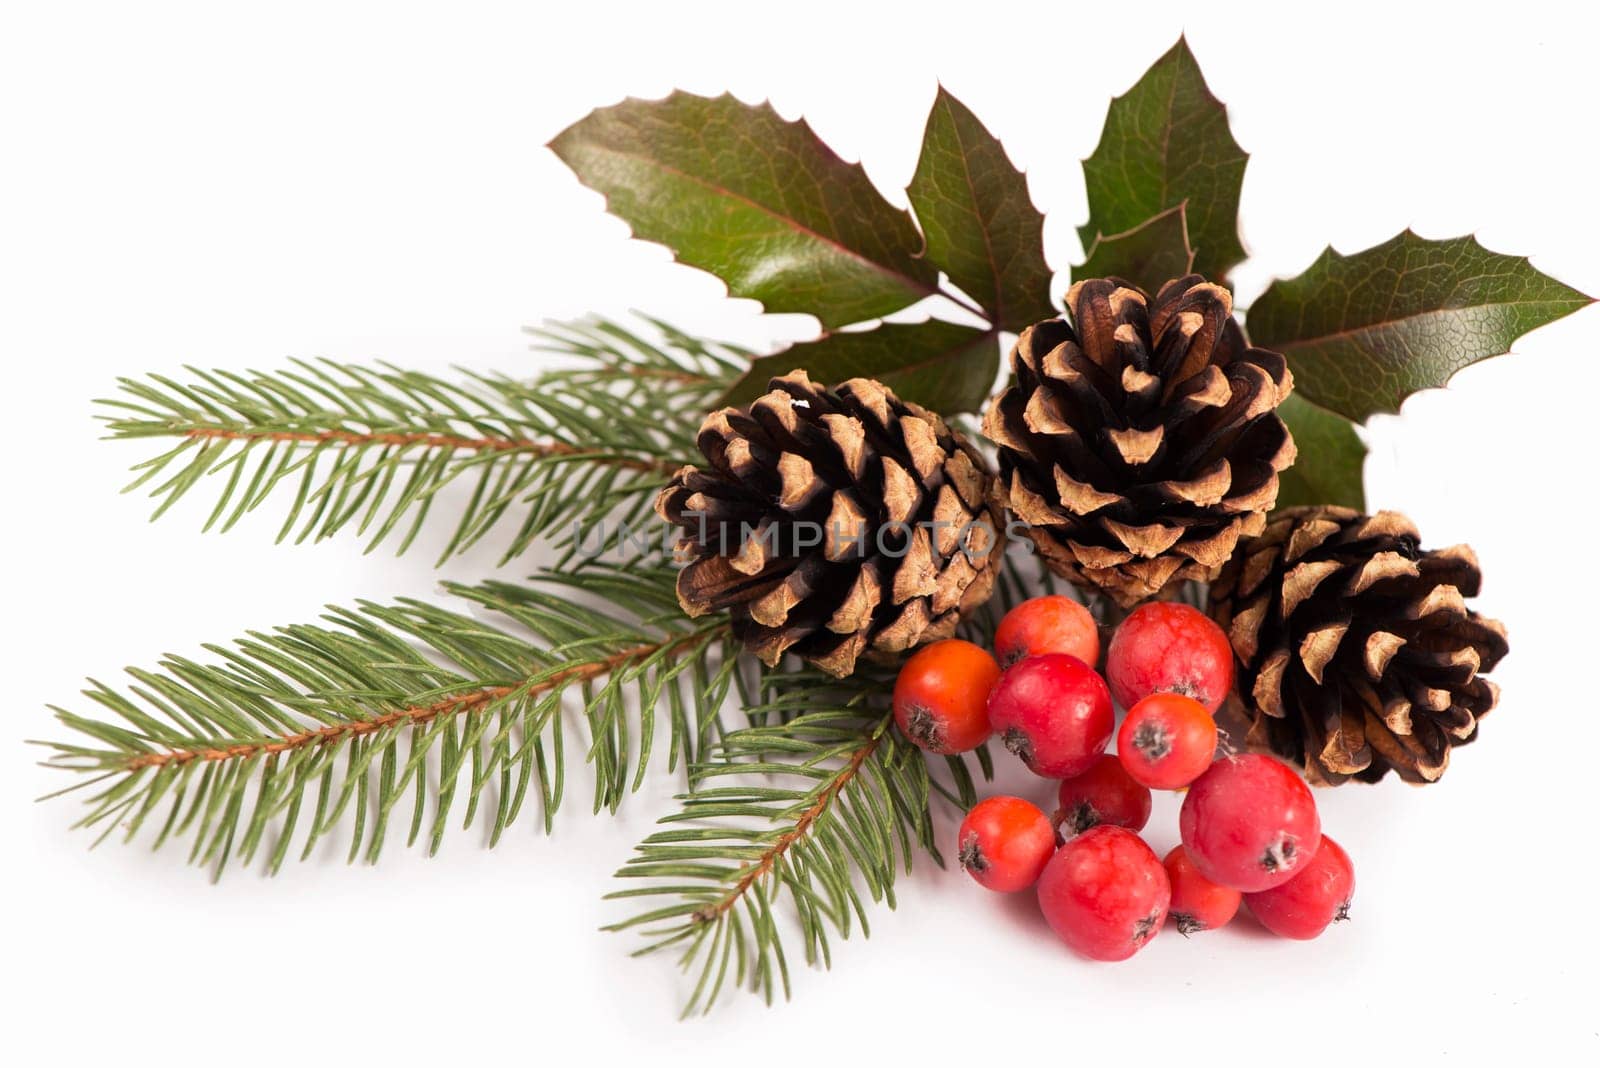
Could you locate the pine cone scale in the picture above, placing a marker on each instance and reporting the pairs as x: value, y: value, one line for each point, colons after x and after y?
x: 1211, y: 553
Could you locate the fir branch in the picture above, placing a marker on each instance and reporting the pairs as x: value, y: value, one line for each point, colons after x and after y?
x: 822, y: 800
x: 370, y: 448
x: 399, y: 706
x: 774, y: 853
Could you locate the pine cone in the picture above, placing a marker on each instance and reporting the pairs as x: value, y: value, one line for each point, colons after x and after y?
x: 834, y: 523
x: 1141, y: 440
x: 1358, y: 653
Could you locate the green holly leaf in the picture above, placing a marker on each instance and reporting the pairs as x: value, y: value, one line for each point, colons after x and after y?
x: 981, y: 226
x: 1364, y: 332
x: 759, y: 202
x: 942, y: 366
x: 1150, y: 254
x: 1327, y: 469
x: 1166, y: 141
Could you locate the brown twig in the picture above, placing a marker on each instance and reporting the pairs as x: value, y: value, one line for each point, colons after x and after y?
x: 784, y: 841
x: 416, y: 715
x: 426, y: 440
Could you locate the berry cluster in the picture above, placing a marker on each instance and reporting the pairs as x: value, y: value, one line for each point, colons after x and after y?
x: 1248, y: 823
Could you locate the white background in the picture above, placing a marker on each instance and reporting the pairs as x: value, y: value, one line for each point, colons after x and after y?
x: 234, y: 185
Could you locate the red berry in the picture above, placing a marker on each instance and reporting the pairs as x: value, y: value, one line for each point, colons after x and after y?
x: 1105, y: 793
x: 1053, y: 624
x: 1104, y: 893
x: 1250, y: 823
x: 1005, y: 842
x: 1167, y: 647
x: 1167, y: 740
x: 1054, y: 712
x: 1318, y: 895
x: 1198, y: 904
x: 940, y: 696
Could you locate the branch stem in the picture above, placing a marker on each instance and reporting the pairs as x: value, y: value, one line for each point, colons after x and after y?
x: 416, y: 715
x: 426, y: 440
x: 782, y: 844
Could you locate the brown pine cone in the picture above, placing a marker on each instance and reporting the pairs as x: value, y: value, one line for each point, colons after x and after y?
x: 834, y: 524
x: 1357, y: 651
x: 1141, y: 440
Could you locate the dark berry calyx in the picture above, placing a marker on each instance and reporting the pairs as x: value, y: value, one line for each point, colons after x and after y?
x: 1152, y: 741
x: 924, y: 728
x: 1019, y: 744
x: 1343, y: 913
x: 971, y: 856
x: 1146, y: 927
x: 1079, y: 818
x: 1187, y: 924
x: 1187, y: 687
x: 1281, y: 854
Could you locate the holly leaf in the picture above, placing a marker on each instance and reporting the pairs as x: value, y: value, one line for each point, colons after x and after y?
x: 1166, y: 141
x: 1150, y: 254
x: 759, y: 202
x: 981, y: 226
x: 1328, y: 466
x: 945, y: 367
x: 1364, y: 332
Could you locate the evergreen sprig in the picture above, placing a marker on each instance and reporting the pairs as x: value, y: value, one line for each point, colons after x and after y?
x: 385, y: 708
x: 791, y: 821
x: 371, y: 447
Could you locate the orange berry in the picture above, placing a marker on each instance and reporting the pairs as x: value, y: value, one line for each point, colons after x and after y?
x: 1167, y: 741
x: 941, y: 693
